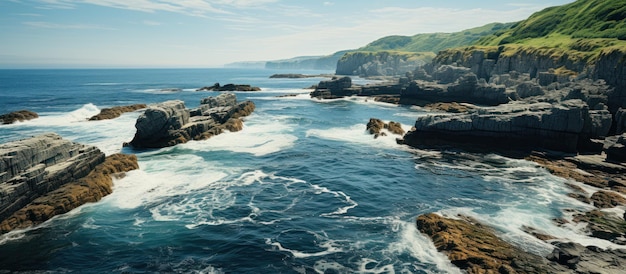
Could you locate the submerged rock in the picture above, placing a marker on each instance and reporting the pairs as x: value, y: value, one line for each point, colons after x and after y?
x: 170, y: 123
x: 20, y: 115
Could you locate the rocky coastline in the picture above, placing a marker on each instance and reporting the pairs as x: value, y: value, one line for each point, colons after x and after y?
x: 47, y: 175
x: 564, y: 114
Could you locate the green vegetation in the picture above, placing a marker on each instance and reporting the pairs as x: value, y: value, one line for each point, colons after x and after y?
x: 434, y: 42
x: 406, y: 56
x: 582, y: 29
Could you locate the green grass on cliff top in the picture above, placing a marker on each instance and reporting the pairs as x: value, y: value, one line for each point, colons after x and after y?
x: 584, y: 27
x: 434, y: 42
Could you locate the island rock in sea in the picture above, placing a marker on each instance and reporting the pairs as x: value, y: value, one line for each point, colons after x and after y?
x: 46, y: 175
x: 20, y: 115
x: 170, y: 123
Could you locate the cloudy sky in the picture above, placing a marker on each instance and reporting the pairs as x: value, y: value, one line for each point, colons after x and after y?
x: 209, y: 33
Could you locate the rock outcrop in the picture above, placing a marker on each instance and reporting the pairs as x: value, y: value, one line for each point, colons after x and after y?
x: 229, y: 87
x: 566, y: 126
x: 91, y: 188
x: 476, y: 249
x: 170, y: 123
x: 114, y: 112
x: 20, y: 115
x: 46, y: 175
x: 375, y: 127
x: 33, y: 167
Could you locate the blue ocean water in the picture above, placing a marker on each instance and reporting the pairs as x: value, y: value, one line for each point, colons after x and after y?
x: 301, y: 189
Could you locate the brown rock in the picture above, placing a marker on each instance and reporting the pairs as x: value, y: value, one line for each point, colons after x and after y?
x: 375, y: 126
x: 607, y: 199
x: 476, y: 249
x: 20, y: 115
x: 114, y: 112
x: 91, y: 188
x: 453, y: 107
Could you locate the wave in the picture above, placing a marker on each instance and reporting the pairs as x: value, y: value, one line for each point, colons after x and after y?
x: 358, y: 134
x: 261, y: 135
x: 103, y: 84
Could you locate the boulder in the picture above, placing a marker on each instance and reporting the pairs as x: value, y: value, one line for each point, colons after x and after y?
x: 20, y: 115
x: 617, y: 151
x: 33, y: 167
x: 170, y: 123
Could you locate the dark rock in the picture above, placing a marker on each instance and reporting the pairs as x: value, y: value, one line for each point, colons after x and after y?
x: 114, y: 112
x: 590, y: 259
x: 376, y: 126
x: 170, y: 123
x: 229, y: 87
x: 20, y: 115
x: 603, y: 225
x: 553, y: 126
x: 617, y: 151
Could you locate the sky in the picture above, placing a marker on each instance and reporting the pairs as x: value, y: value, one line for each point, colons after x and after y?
x: 210, y: 33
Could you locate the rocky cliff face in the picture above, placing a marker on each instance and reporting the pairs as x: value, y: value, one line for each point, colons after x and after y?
x: 170, y: 123
x: 379, y: 63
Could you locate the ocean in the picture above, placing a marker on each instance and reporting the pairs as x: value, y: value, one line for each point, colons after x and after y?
x: 303, y: 188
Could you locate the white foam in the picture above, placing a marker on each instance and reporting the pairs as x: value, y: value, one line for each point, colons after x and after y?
x: 356, y: 134
x: 419, y: 246
x: 328, y: 246
x: 261, y: 135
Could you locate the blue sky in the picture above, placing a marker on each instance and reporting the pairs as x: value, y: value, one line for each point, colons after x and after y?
x: 209, y: 33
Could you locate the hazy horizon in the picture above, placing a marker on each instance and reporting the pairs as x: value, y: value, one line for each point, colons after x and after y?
x: 211, y: 33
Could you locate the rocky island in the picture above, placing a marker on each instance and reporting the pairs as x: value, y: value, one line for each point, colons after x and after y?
x: 170, y: 123
x: 18, y: 116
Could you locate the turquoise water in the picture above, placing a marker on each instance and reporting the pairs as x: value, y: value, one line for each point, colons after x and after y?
x: 302, y: 189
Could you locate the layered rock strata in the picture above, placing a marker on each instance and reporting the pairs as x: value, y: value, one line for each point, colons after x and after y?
x: 17, y: 116
x: 88, y: 189
x: 114, y: 112
x: 33, y: 167
x: 566, y: 126
x: 46, y: 175
x: 170, y: 123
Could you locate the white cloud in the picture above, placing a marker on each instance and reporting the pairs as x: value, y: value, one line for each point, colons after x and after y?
x: 49, y: 25
x: 328, y: 3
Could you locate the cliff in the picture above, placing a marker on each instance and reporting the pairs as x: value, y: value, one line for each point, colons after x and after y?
x: 381, y: 63
x: 327, y: 62
x: 33, y: 169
